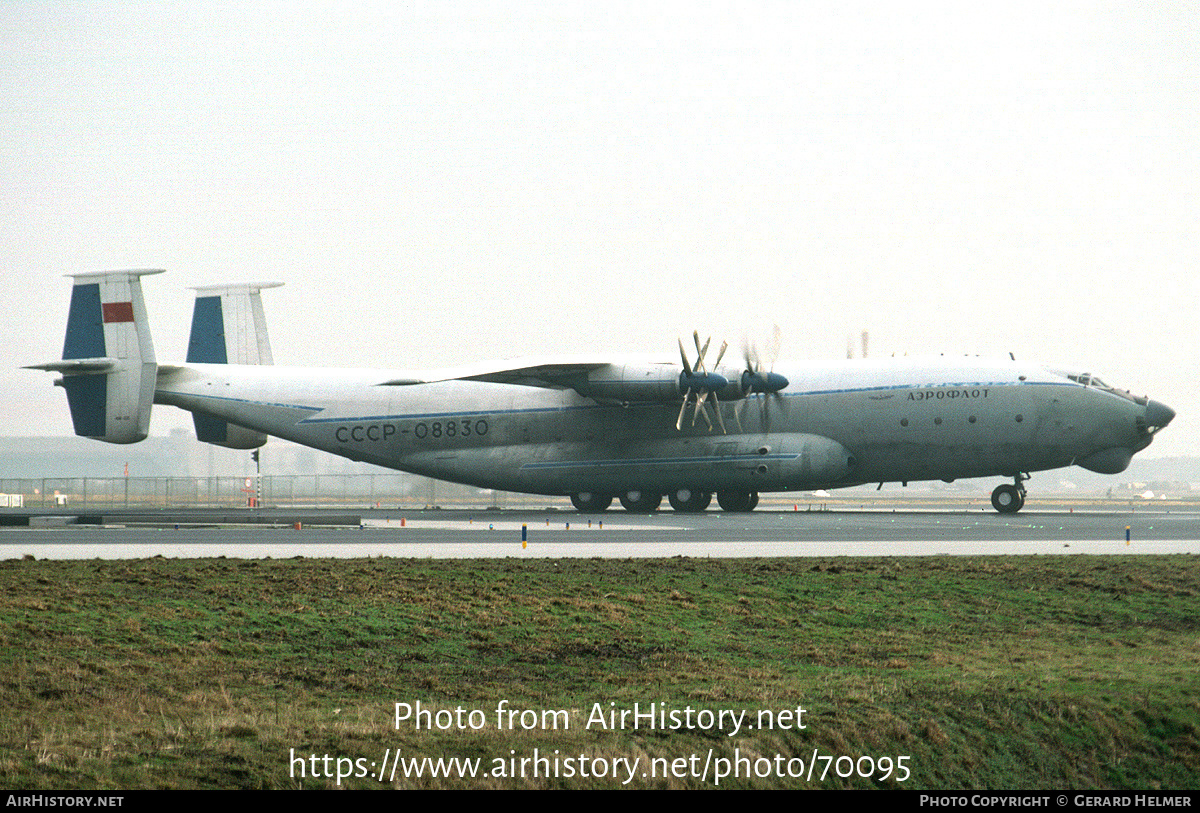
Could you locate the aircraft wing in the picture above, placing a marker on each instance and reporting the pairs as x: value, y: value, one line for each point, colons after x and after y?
x: 554, y: 372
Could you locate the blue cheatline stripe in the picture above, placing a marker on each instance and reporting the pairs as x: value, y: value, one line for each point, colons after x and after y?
x: 87, y: 395
x: 85, y: 324
x: 207, y: 342
x: 462, y: 413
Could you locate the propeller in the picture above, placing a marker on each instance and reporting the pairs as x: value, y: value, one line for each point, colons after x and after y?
x: 758, y: 383
x: 696, y: 378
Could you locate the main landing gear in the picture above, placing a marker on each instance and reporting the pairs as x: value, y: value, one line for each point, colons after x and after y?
x: 588, y: 501
x: 683, y: 500
x: 640, y: 502
x: 737, y: 500
x: 1008, y: 499
x: 689, y: 501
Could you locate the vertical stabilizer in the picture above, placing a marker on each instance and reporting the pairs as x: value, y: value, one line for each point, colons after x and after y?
x: 229, y: 327
x: 108, y: 362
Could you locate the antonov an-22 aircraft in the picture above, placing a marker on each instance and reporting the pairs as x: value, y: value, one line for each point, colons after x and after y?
x: 601, y: 427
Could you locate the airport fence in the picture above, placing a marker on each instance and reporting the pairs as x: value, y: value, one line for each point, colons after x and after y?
x: 276, y: 490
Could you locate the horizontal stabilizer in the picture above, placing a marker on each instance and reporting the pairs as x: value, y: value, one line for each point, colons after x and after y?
x: 108, y: 362
x: 78, y: 366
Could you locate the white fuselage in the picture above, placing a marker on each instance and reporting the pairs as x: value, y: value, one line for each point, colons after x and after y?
x: 835, y: 424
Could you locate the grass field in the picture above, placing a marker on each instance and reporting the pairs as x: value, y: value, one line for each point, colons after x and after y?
x: 940, y: 672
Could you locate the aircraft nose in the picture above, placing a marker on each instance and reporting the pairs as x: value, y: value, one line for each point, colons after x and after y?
x: 1158, y: 414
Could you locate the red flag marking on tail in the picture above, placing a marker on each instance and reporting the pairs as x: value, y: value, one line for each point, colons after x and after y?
x: 118, y: 312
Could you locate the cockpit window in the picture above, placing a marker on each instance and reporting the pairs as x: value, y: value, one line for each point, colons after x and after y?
x: 1089, y: 380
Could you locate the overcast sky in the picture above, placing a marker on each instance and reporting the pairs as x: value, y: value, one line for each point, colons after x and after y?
x: 439, y: 183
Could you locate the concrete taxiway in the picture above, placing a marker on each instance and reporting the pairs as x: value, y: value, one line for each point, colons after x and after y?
x: 615, y: 534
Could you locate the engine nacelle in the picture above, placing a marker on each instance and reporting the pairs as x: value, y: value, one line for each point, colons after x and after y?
x: 632, y: 383
x: 651, y: 383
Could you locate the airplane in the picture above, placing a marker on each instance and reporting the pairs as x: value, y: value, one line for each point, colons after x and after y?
x: 599, y: 428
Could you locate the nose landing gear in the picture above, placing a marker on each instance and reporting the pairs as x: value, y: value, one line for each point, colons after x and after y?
x: 1008, y: 499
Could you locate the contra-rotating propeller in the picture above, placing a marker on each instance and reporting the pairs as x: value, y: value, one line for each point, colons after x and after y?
x: 765, y: 386
x: 696, y: 379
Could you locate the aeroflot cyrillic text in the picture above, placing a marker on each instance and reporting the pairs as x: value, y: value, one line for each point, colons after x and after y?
x: 925, y: 395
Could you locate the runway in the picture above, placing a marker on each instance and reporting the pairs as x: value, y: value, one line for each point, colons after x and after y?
x: 561, y: 534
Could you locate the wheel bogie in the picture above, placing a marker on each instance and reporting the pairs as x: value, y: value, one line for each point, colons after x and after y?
x: 640, y: 502
x: 689, y: 500
x: 589, y: 501
x: 737, y: 500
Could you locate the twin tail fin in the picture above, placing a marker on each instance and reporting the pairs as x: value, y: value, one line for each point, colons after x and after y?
x: 108, y: 363
x: 229, y: 327
x: 108, y: 366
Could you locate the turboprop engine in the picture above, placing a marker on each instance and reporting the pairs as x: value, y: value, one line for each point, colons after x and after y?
x: 640, y: 383
x: 695, y: 384
x: 658, y: 382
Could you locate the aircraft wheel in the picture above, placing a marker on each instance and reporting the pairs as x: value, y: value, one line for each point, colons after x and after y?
x: 640, y: 502
x: 737, y: 500
x: 1007, y: 499
x: 590, y: 501
x: 690, y: 501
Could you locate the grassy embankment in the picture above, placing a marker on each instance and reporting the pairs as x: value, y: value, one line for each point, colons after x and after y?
x: 987, y: 672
